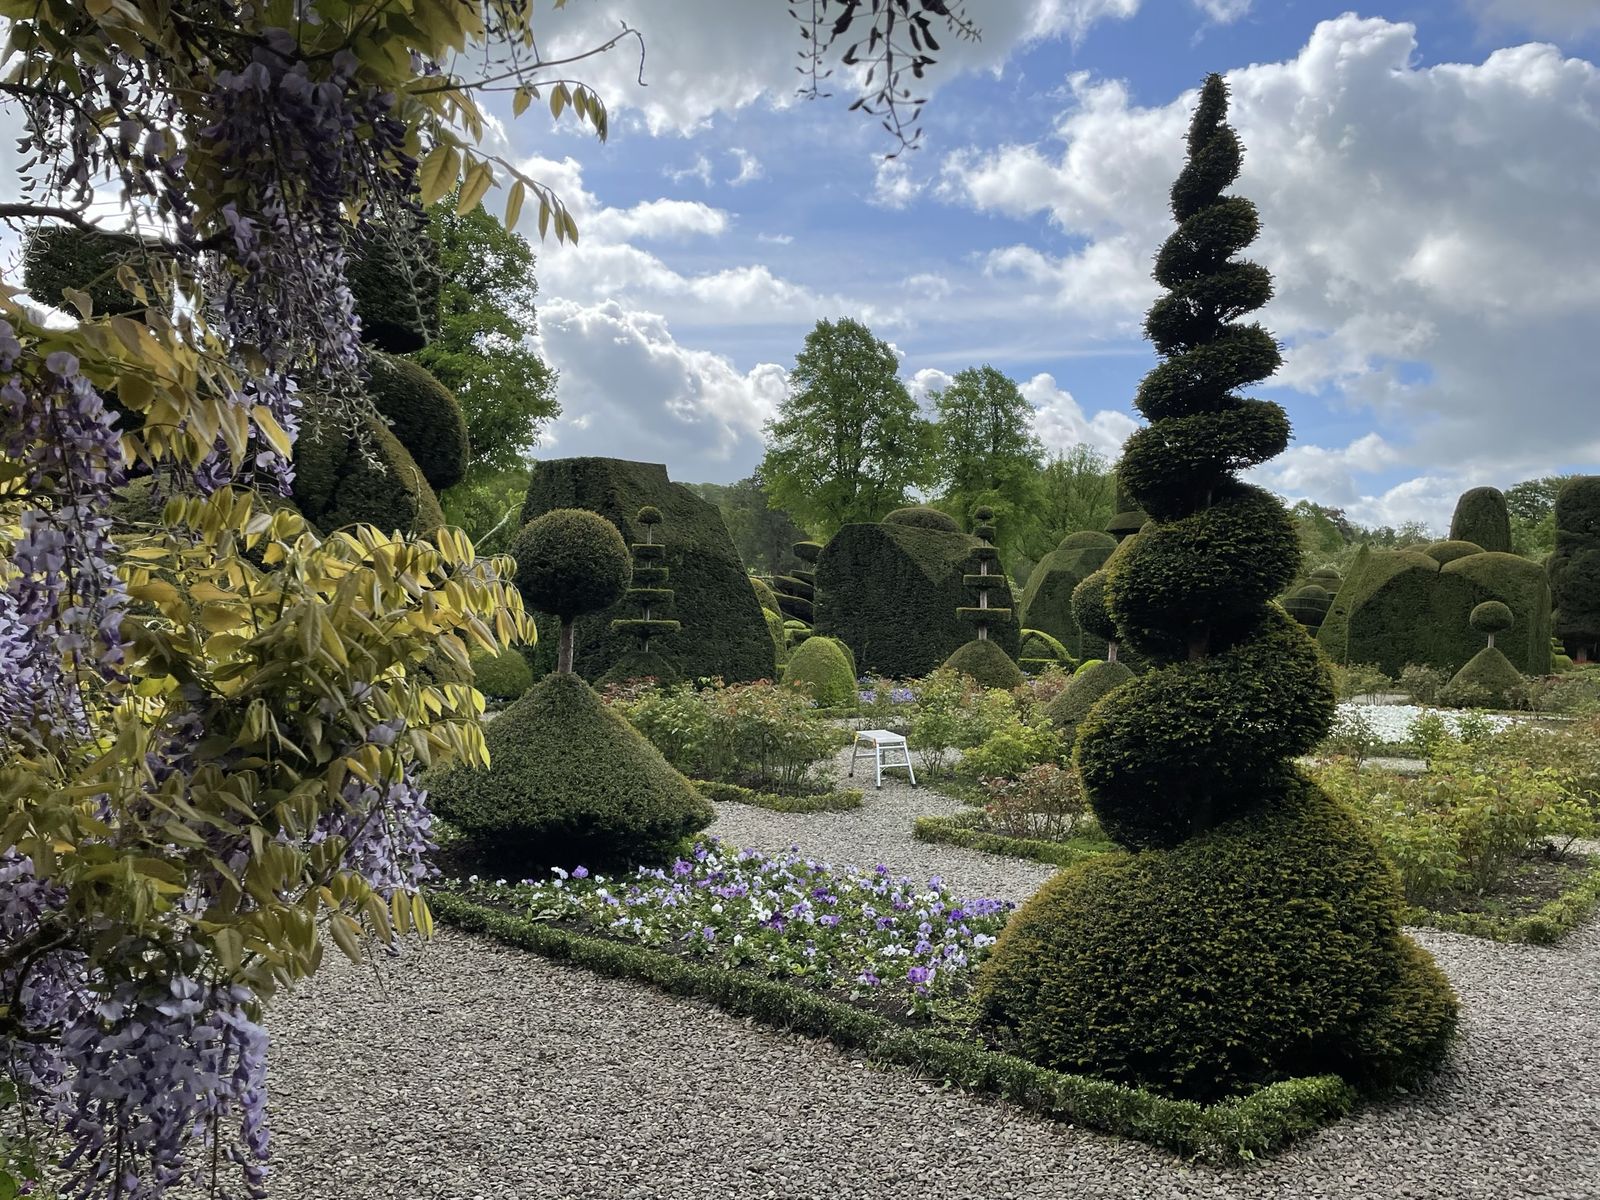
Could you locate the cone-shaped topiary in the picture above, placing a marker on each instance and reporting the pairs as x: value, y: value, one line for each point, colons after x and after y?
x: 1481, y: 517
x: 570, y: 782
x: 649, y: 593
x: 423, y: 414
x: 1067, y: 711
x: 570, y: 561
x: 1488, y: 675
x: 820, y: 667
x: 920, y: 516
x: 1256, y: 934
x: 987, y: 664
x: 502, y: 676
x: 767, y: 598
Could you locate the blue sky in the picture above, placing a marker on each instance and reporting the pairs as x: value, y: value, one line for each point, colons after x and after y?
x: 1428, y: 173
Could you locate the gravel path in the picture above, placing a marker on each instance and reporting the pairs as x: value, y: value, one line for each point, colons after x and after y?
x: 468, y: 1071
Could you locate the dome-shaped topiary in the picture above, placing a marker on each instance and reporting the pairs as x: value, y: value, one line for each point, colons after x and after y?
x: 1256, y: 934
x: 1309, y: 604
x: 502, y: 676
x: 1491, y: 617
x: 987, y: 664
x: 570, y: 561
x: 920, y: 516
x: 1089, y: 539
x: 982, y: 514
x: 1267, y: 949
x: 423, y: 414
x: 648, y: 515
x: 1449, y: 551
x: 1092, y: 681
x: 569, y: 782
x: 1482, y: 517
x: 820, y: 667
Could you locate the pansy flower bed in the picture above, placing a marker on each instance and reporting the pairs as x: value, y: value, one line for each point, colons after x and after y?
x: 867, y: 936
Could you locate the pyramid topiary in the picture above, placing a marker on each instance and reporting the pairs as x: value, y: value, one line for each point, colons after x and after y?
x: 649, y: 592
x: 423, y: 414
x: 982, y: 658
x: 1481, y: 517
x: 1255, y: 933
x: 820, y: 667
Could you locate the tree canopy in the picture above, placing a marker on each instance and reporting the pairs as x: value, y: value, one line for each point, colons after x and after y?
x: 985, y: 450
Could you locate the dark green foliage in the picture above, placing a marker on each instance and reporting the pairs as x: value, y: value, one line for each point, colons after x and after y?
x: 1199, y: 742
x: 337, y: 484
x: 724, y: 633
x: 1574, y: 567
x: 808, y: 552
x: 956, y: 831
x: 1171, y: 464
x: 1165, y: 593
x: 649, y: 597
x: 642, y: 664
x: 1447, y: 552
x: 570, y: 561
x: 1309, y: 604
x: 1067, y: 711
x: 1047, y: 599
x: 1481, y: 517
x: 820, y: 666
x: 1037, y: 649
x: 1089, y: 607
x: 765, y: 596
x: 1269, y: 947
x: 890, y: 592
x: 986, y: 662
x: 1228, y: 1132
x: 570, y: 782
x: 1326, y: 576
x: 923, y: 517
x: 1126, y: 523
x: 424, y: 416
x: 780, y: 641
x: 393, y: 273
x: 840, y: 801
x: 1401, y: 606
x: 793, y: 585
x: 649, y: 515
x: 502, y: 676
x: 1492, y: 674
x: 1491, y: 617
x: 57, y: 257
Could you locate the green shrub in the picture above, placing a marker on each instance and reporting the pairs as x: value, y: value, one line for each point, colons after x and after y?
x: 393, y: 273
x: 1421, y: 683
x: 570, y: 782
x: 1267, y: 947
x: 1492, y: 675
x: 1010, y: 751
x: 502, y: 676
x: 1092, y: 681
x: 1308, y: 604
x: 424, y: 416
x: 989, y: 665
x: 723, y: 634
x: 339, y: 482
x: 922, y: 517
x: 821, y: 669
x: 1042, y: 801
x: 1046, y: 603
x: 766, y: 597
x: 1491, y: 617
x: 890, y: 592
x: 1359, y: 681
x: 641, y: 664
x: 1481, y: 517
x: 954, y: 712
x: 57, y: 257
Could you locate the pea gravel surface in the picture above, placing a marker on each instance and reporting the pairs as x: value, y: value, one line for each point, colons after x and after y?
x: 469, y: 1071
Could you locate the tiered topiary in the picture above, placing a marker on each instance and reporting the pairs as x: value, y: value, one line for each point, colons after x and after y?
x: 1095, y: 678
x: 649, y: 591
x: 797, y: 591
x: 1255, y: 932
x: 723, y: 633
x: 423, y: 415
x: 1574, y: 567
x: 1482, y: 518
x: 821, y: 667
x: 1489, y: 674
x: 1047, y: 599
x: 982, y: 658
x: 1308, y: 604
x: 570, y: 782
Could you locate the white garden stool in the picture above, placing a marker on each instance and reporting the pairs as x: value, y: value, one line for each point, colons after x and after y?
x: 882, y: 747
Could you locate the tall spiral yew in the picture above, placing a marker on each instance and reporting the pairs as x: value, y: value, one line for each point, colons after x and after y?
x: 1253, y: 933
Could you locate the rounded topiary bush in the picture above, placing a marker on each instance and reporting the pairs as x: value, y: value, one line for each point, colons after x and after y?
x: 821, y: 667
x: 1089, y: 683
x: 502, y: 676
x: 1491, y: 617
x: 1449, y: 551
x: 920, y: 516
x: 1268, y: 948
x: 424, y: 416
x: 986, y: 663
x: 570, y: 782
x: 570, y: 561
x: 338, y: 481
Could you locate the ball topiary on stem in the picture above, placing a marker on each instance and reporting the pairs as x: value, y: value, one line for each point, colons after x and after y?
x: 1255, y: 932
x: 570, y: 561
x: 1489, y: 676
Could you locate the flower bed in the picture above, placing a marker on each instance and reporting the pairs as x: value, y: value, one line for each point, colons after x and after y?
x: 828, y: 801
x: 1543, y: 926
x: 866, y: 959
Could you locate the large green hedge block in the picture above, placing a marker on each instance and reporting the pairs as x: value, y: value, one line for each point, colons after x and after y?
x: 890, y: 592
x: 56, y: 257
x: 1481, y: 517
x: 1574, y: 567
x: 820, y: 667
x: 1402, y: 606
x: 1269, y: 947
x: 723, y: 632
x: 1449, y: 551
x: 921, y: 516
x: 423, y: 414
x: 570, y: 783
x: 335, y: 483
x: 986, y: 663
x: 1047, y: 600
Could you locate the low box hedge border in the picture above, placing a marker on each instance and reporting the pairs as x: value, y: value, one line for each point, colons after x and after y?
x: 838, y: 801
x: 1543, y: 928
x: 1231, y: 1131
x: 952, y: 831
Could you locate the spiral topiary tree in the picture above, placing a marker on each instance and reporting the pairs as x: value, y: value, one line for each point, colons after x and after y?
x: 570, y: 561
x: 649, y: 592
x: 1255, y: 933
